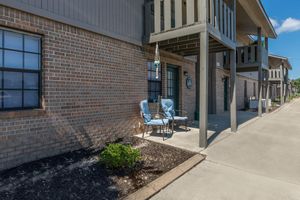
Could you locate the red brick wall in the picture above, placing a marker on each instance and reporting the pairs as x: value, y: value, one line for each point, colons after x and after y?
x: 92, y: 85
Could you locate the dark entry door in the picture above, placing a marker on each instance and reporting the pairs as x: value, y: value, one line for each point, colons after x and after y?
x: 173, y: 85
x: 226, y: 94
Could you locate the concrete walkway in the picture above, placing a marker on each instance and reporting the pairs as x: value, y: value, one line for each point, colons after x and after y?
x: 261, y: 161
x: 218, y: 129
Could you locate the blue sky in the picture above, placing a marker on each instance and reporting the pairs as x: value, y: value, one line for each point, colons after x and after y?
x: 285, y: 16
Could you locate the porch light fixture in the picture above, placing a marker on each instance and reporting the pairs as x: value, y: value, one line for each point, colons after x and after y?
x: 157, y: 61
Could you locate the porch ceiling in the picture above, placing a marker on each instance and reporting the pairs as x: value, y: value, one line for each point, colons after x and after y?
x: 275, y: 62
x: 190, y: 45
x: 250, y: 15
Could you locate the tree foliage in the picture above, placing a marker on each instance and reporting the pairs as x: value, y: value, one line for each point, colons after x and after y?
x: 296, y: 84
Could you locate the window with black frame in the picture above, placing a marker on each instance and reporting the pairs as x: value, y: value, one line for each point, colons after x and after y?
x: 20, y: 70
x: 154, y: 83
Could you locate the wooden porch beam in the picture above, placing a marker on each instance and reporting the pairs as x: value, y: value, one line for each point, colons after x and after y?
x: 260, y: 73
x: 267, y: 93
x: 203, y: 104
x: 281, y: 84
x: 233, y: 105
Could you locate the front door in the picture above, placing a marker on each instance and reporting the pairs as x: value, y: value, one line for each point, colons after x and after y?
x: 173, y: 85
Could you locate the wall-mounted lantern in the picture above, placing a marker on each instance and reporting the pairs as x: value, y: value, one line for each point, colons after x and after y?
x: 157, y: 61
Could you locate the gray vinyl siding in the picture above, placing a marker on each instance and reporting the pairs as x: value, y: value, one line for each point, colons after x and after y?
x: 121, y: 19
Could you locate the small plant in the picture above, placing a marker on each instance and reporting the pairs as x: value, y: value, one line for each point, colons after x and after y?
x: 117, y: 156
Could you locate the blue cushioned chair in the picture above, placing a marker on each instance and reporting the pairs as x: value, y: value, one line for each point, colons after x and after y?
x: 168, y: 108
x: 149, y: 121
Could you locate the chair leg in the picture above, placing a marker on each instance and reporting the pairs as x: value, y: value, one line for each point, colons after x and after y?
x: 147, y: 129
x: 163, y: 134
x: 172, y: 127
x: 186, y: 126
x: 168, y: 127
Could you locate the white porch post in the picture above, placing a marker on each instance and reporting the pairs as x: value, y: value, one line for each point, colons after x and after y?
x: 233, y: 105
x: 267, y: 93
x: 281, y: 84
x: 260, y: 73
x: 203, y: 108
x: 267, y: 79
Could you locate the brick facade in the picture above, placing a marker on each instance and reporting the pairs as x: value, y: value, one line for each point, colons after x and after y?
x: 242, y: 78
x: 92, y: 85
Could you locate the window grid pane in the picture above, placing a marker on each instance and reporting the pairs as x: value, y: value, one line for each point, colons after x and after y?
x: 13, y: 59
x: 13, y: 40
x: 154, y: 85
x: 31, y: 61
x: 12, y: 80
x: 20, y: 64
x: 32, y: 44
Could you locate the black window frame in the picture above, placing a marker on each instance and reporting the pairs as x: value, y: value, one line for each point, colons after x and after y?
x: 22, y: 70
x: 151, y: 80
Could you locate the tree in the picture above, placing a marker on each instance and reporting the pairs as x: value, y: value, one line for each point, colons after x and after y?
x: 296, y: 84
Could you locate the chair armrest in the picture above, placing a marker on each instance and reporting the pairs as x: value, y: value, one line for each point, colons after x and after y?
x: 162, y: 115
x: 143, y: 117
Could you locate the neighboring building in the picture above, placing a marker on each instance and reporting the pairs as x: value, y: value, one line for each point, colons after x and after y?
x: 279, y: 78
x: 73, y: 72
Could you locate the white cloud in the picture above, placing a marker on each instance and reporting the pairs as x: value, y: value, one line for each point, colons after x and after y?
x: 274, y: 22
x: 288, y: 25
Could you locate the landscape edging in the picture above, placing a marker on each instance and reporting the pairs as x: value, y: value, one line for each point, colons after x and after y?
x: 163, y: 181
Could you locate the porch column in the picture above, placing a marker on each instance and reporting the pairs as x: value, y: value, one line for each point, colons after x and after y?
x: 288, y: 94
x: 233, y: 107
x: 275, y: 91
x: 281, y: 84
x: 260, y: 73
x: 267, y: 79
x: 203, y: 108
x: 267, y: 93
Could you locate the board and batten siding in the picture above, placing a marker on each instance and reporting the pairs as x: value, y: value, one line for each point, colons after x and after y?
x: 120, y: 19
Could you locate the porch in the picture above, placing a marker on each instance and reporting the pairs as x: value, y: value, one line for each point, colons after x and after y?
x: 202, y: 28
x: 278, y: 77
x: 218, y: 129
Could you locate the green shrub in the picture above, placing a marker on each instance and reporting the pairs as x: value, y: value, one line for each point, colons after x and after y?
x: 117, y: 156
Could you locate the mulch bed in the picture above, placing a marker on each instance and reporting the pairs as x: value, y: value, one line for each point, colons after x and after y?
x: 79, y: 175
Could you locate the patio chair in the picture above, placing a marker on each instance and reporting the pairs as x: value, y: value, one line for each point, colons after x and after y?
x: 168, y: 108
x: 149, y: 121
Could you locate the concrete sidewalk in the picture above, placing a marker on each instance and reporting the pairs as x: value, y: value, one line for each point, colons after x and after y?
x: 218, y: 129
x: 261, y: 161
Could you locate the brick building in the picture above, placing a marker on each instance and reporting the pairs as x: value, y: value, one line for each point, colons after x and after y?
x: 73, y: 74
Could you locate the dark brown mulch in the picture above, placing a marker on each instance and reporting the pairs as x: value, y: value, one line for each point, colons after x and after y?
x: 78, y: 175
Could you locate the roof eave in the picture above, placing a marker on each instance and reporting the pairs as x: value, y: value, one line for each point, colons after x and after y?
x: 274, y: 34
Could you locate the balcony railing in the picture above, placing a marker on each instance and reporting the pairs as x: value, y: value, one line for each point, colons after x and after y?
x: 221, y: 17
x: 249, y: 57
x: 275, y: 75
x: 167, y: 15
